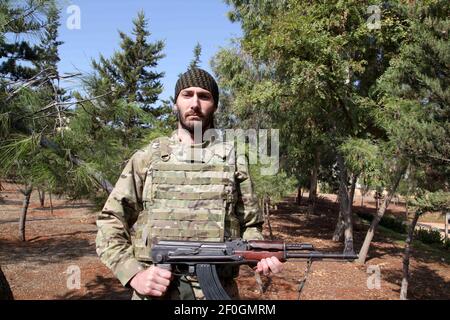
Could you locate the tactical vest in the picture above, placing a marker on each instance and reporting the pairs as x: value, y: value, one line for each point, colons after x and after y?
x: 186, y: 200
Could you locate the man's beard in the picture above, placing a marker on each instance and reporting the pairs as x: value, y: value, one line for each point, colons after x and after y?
x: 207, y: 122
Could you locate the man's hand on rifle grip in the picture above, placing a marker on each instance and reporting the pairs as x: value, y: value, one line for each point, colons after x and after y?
x: 268, y: 265
x: 152, y: 281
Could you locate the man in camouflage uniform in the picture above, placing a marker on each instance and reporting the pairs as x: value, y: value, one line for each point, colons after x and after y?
x: 178, y: 189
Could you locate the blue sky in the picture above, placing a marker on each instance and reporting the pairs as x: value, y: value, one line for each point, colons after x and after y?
x: 180, y: 23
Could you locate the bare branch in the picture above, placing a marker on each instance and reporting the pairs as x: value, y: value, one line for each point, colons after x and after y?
x: 54, y: 103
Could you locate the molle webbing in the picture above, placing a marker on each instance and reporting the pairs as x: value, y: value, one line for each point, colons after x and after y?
x: 190, y: 181
x: 168, y: 166
x: 189, y: 200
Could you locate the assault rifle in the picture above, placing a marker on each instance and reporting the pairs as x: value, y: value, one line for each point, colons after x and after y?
x: 201, y: 258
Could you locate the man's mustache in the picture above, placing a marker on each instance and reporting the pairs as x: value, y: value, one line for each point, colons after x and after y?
x: 200, y: 115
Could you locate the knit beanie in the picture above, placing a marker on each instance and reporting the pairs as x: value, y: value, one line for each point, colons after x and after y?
x: 196, y: 77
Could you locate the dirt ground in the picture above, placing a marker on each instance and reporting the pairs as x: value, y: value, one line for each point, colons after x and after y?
x: 59, y: 243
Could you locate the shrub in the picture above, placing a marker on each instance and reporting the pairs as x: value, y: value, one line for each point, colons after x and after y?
x: 446, y: 244
x: 428, y: 236
x: 387, y: 222
x: 394, y: 224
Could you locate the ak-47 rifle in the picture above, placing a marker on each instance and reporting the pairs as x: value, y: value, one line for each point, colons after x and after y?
x: 200, y: 258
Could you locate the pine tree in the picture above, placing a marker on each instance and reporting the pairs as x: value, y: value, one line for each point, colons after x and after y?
x: 30, y: 111
x: 17, y: 20
x: 414, y: 96
x: 49, y: 44
x: 130, y: 73
x: 125, y: 89
x: 195, y: 62
x: 117, y: 114
x: 312, y: 66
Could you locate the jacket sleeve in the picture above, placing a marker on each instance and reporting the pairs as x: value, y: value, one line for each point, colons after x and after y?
x: 248, y: 210
x: 120, y: 212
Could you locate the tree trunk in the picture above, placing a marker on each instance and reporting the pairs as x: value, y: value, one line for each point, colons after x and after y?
x: 41, y: 197
x: 266, y: 212
x: 313, y: 186
x: 339, y: 230
x: 406, y: 207
x: 345, y: 205
x: 406, y: 254
x: 340, y: 226
x: 51, y: 202
x: 1, y: 189
x: 23, y: 214
x: 5, y: 289
x: 352, y: 189
x: 362, y: 256
x: 299, y: 195
x: 362, y: 199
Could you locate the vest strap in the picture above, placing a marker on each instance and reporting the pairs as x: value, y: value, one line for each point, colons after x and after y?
x: 191, y: 181
x: 164, y: 166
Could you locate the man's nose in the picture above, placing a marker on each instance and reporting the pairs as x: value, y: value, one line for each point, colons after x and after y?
x: 195, y: 102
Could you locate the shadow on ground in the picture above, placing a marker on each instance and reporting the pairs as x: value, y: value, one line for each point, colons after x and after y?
x: 47, y: 250
x: 424, y: 283
x: 100, y: 288
x: 291, y: 219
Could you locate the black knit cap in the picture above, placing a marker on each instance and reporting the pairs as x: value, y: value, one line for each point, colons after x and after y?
x: 196, y: 77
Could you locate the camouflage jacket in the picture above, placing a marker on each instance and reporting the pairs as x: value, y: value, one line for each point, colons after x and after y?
x: 125, y: 204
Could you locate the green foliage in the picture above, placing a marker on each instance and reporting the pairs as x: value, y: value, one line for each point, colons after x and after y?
x: 361, y: 155
x: 275, y: 187
x: 49, y: 43
x: 446, y: 244
x: 116, y: 115
x: 364, y: 158
x: 312, y: 69
x: 28, y: 114
x: 131, y: 74
x: 392, y: 223
x: 195, y: 62
x: 414, y: 93
x: 431, y: 201
x: 327, y: 188
x: 18, y: 19
x: 309, y: 68
x: 113, y: 120
x: 16, y: 150
x: 428, y: 236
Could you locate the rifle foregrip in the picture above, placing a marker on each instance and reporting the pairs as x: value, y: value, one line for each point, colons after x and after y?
x: 258, y: 255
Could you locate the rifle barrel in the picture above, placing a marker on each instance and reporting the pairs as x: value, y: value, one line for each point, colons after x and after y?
x: 321, y: 255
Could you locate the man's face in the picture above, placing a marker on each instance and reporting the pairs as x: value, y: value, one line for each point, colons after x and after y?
x: 195, y: 105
